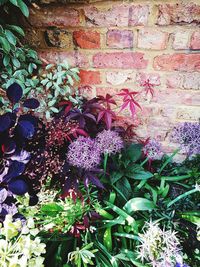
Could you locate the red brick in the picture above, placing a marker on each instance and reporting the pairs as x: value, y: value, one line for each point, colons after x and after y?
x: 182, y: 62
x: 138, y: 15
x: 87, y: 39
x: 174, y: 80
x: 117, y: 15
x: 54, y: 16
x: 180, y: 13
x: 152, y: 39
x: 195, y: 41
x: 89, y: 77
x: 74, y: 58
x: 120, y: 60
x: 120, y: 39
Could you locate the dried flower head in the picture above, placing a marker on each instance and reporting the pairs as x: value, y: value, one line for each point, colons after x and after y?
x: 84, y: 153
x: 188, y: 136
x: 158, y: 247
x: 152, y: 150
x: 109, y: 142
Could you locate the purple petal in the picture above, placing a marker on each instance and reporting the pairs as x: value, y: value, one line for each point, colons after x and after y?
x: 18, y: 186
x: 5, y: 122
x: 22, y: 156
x: 31, y: 103
x: 3, y: 195
x: 14, y: 93
x: 26, y: 129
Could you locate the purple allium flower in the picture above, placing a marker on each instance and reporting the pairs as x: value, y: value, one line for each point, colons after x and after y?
x: 188, y: 136
x: 153, y: 150
x: 109, y: 142
x: 84, y: 153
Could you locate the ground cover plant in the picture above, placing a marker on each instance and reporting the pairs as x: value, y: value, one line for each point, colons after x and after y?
x: 79, y: 189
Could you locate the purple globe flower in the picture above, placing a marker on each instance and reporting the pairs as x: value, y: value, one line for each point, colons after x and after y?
x: 188, y: 136
x: 153, y: 150
x: 84, y: 153
x: 109, y: 142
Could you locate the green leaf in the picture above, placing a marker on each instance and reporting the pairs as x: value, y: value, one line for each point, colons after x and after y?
x: 14, y: 2
x: 6, y: 61
x: 124, y: 187
x: 134, y: 152
x: 140, y: 175
x: 115, y: 176
x: 11, y: 37
x: 16, y: 62
x: 51, y: 207
x: 55, y: 110
x: 23, y: 7
x: 139, y: 203
x: 16, y: 29
x: 5, y: 45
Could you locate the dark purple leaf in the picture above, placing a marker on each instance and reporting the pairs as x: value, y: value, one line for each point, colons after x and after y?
x: 27, y: 117
x: 3, y: 195
x: 18, y: 186
x: 14, y: 93
x: 31, y: 103
x: 95, y: 181
x: 9, y: 146
x: 26, y: 129
x: 5, y: 122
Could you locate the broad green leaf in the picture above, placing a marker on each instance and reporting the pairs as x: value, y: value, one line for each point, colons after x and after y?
x: 6, y: 61
x: 16, y: 29
x: 125, y: 188
x: 115, y: 176
x: 23, y: 7
x: 51, y: 207
x: 5, y: 45
x: 14, y: 2
x: 140, y: 175
x: 139, y: 203
x: 11, y: 37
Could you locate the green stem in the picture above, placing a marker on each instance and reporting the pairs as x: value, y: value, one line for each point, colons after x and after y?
x: 105, y: 161
x: 141, y: 164
x: 182, y: 196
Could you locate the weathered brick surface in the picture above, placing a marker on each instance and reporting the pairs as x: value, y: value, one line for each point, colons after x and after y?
x: 181, y: 62
x: 181, y: 40
x: 73, y: 58
x: 87, y: 39
x: 124, y: 44
x: 152, y: 39
x: 138, y: 15
x: 120, y: 39
x: 120, y: 60
x: 179, y: 13
x: 195, y: 41
x: 119, y: 77
x: 109, y: 16
x: 54, y: 16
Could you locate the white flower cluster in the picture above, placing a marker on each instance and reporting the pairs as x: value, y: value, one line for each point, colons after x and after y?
x: 19, y: 246
x: 159, y: 247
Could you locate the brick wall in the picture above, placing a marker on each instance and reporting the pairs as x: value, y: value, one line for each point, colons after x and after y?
x: 120, y: 44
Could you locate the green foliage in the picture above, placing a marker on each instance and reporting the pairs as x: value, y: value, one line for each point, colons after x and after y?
x: 17, y: 3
